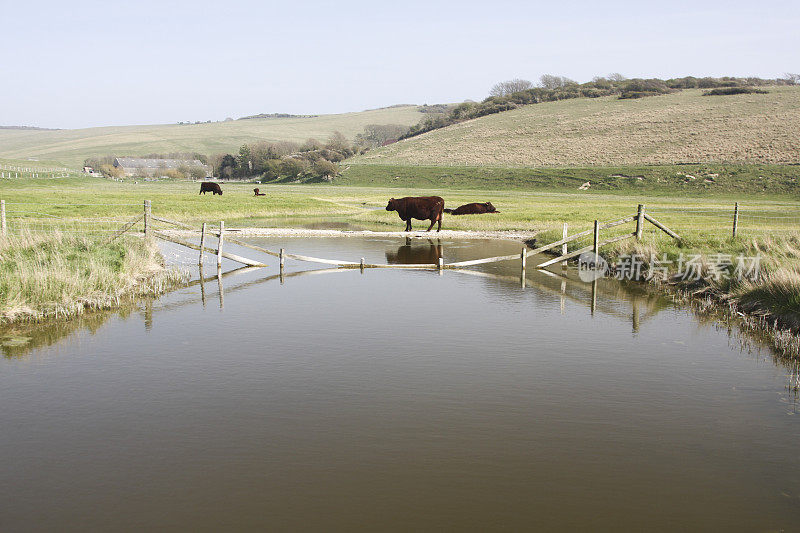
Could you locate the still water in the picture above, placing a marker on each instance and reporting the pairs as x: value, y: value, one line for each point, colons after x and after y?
x: 395, y: 400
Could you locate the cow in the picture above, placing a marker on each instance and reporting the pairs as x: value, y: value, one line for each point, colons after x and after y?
x: 419, y: 207
x: 210, y: 186
x: 473, y: 209
x: 256, y: 193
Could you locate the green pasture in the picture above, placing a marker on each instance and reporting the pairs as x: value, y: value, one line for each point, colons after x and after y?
x: 56, y: 201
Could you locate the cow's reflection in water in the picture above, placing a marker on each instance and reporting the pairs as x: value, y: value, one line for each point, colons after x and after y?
x: 422, y: 253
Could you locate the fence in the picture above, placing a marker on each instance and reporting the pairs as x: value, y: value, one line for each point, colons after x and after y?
x: 148, y: 219
x: 735, y: 220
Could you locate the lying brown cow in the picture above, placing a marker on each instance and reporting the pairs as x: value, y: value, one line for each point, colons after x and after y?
x: 473, y: 209
x: 419, y: 207
x: 210, y: 186
x: 258, y: 193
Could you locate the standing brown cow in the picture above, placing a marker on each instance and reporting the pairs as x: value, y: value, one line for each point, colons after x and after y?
x: 419, y: 207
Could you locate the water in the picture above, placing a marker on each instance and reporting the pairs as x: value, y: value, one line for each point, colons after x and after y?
x: 395, y: 400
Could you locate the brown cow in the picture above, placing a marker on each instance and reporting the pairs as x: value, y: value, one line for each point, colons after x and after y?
x: 256, y: 193
x: 210, y: 186
x: 419, y: 207
x: 473, y: 209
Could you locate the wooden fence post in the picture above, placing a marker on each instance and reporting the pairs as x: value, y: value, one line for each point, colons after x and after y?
x: 735, y: 218
x: 3, y: 217
x: 280, y: 256
x: 147, y: 213
x: 362, y: 265
x: 639, y: 222
x: 595, y: 247
x: 202, y: 244
x: 564, y: 235
x: 441, y: 265
x: 219, y: 244
x: 523, y: 259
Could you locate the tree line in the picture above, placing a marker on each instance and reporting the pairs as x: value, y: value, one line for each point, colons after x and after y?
x: 512, y: 94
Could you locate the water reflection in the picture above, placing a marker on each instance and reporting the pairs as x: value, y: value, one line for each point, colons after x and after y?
x: 415, y: 253
x: 337, y: 403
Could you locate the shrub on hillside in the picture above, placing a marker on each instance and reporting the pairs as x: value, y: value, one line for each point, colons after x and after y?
x: 733, y: 90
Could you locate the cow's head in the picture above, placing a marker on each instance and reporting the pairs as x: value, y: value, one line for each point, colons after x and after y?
x: 390, y: 206
x: 490, y: 207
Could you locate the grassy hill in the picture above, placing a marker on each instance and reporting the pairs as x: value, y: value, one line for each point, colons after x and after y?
x: 71, y: 147
x: 682, y: 127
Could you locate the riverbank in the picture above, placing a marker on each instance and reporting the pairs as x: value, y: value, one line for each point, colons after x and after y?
x: 60, y: 275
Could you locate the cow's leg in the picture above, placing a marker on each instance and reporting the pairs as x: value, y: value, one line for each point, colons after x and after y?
x: 201, y: 192
x: 408, y: 225
x: 440, y: 224
x: 433, y: 221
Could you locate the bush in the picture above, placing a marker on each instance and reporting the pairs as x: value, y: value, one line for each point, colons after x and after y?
x: 292, y: 167
x: 271, y: 170
x: 324, y: 169
x: 733, y: 90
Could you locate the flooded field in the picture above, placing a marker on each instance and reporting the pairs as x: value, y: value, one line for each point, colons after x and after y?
x: 395, y: 400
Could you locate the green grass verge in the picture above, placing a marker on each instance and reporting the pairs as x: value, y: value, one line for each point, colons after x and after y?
x: 62, y: 275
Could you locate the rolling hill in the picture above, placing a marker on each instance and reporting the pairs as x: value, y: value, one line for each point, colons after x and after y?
x: 682, y: 127
x: 71, y: 147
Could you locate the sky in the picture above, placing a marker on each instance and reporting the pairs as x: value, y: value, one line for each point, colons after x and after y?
x: 84, y: 63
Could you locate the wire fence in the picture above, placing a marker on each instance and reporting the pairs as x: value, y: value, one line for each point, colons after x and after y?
x: 740, y: 220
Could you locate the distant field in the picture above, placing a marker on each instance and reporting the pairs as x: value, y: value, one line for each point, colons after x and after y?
x: 683, y: 127
x: 71, y: 147
x: 707, y: 179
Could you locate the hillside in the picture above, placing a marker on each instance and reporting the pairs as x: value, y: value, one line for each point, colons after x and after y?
x: 71, y: 147
x: 682, y: 127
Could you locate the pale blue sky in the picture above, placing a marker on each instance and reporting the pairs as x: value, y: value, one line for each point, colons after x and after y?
x: 87, y: 63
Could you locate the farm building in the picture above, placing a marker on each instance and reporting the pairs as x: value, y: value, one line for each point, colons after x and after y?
x: 135, y: 166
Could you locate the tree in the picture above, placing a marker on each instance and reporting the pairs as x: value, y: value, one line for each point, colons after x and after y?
x: 792, y: 79
x: 272, y: 170
x: 380, y: 134
x: 197, y: 173
x: 616, y: 76
x: 227, y: 166
x: 549, y: 81
x: 504, y: 88
x: 324, y: 169
x: 338, y: 142
x: 245, y: 163
x: 292, y: 167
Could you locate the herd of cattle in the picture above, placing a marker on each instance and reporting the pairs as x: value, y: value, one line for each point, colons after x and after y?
x: 418, y: 207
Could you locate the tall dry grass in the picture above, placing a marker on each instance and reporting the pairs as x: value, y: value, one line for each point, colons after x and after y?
x: 61, y: 275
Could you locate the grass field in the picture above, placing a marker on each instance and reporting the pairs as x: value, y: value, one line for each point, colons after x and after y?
x: 671, y: 180
x: 72, y: 147
x: 682, y: 127
x: 61, y: 202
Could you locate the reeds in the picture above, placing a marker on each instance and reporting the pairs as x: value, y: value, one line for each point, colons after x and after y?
x: 62, y: 275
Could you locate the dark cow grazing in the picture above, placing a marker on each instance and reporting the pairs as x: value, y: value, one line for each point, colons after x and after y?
x: 419, y: 207
x: 256, y: 193
x: 473, y: 209
x: 209, y: 186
